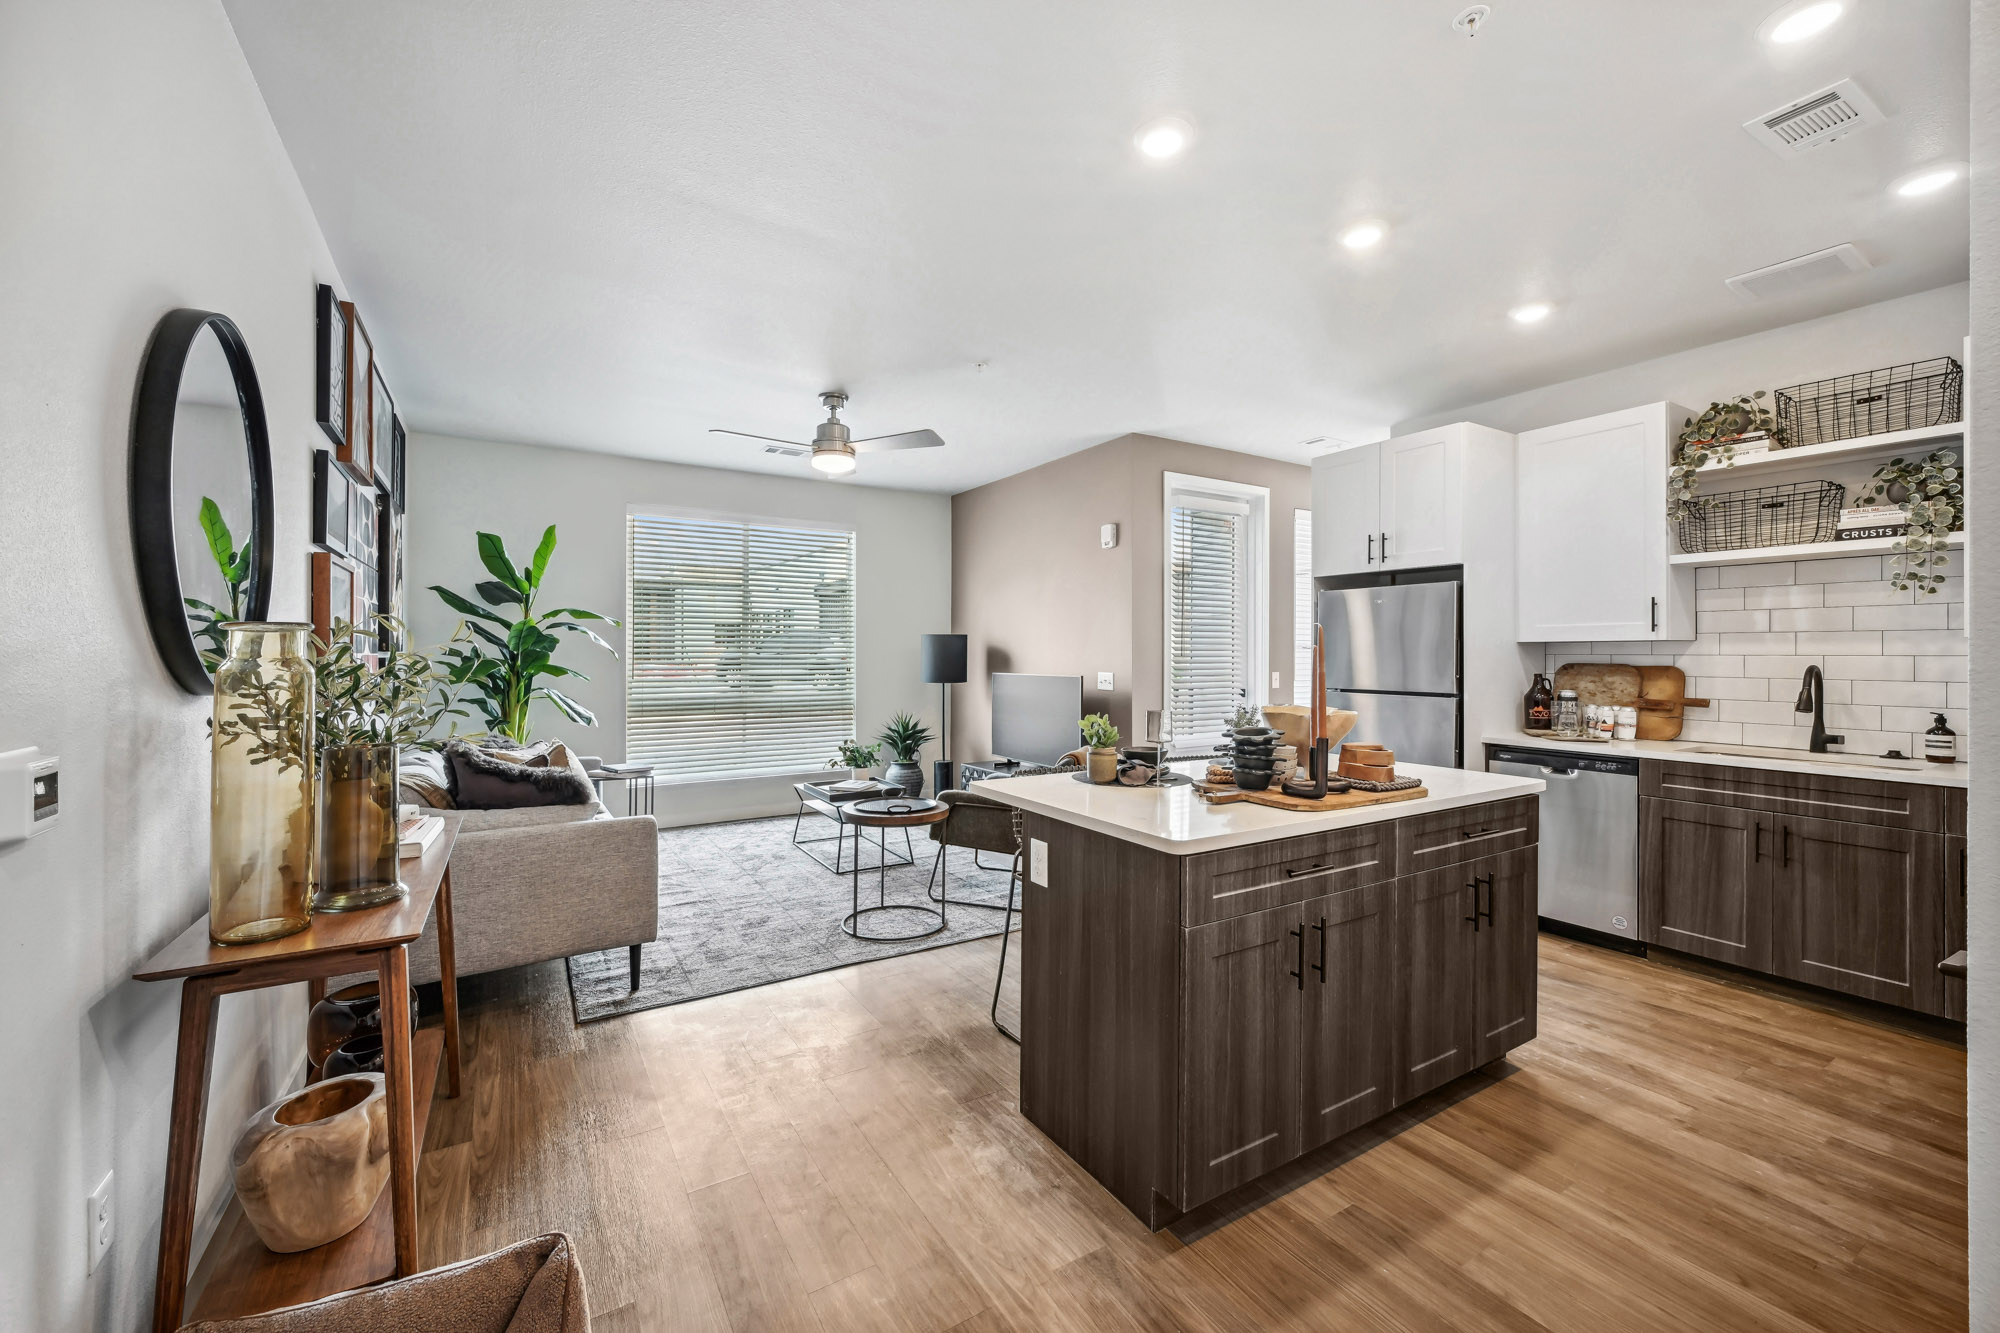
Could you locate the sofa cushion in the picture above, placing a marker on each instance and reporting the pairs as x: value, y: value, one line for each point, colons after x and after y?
x: 528, y: 816
x: 481, y: 780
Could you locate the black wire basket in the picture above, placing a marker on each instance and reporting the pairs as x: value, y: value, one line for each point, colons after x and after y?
x: 1788, y: 515
x: 1915, y: 396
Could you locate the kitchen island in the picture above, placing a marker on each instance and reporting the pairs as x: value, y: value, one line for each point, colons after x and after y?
x: 1208, y: 992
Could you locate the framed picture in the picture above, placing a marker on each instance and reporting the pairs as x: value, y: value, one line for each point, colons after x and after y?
x: 330, y: 396
x: 333, y: 584
x: 351, y: 452
x: 382, y: 429
x: 362, y: 527
x: 396, y: 469
x: 332, y: 497
x: 386, y: 599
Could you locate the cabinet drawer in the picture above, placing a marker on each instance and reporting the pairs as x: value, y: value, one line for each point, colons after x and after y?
x: 1276, y: 874
x: 1451, y: 836
x: 1811, y: 795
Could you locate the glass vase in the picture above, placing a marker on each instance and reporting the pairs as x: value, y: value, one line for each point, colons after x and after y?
x: 260, y: 857
x: 357, y: 828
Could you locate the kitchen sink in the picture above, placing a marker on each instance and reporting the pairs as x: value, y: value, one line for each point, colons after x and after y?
x: 1807, y: 756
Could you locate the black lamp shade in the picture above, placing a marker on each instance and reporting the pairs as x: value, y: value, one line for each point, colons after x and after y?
x: 944, y: 659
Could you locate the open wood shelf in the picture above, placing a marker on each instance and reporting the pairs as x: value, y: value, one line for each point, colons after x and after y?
x: 1866, y: 446
x: 1771, y: 555
x: 237, y: 1276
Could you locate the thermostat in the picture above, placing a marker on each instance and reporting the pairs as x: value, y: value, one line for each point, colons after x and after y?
x: 1107, y: 536
x: 27, y: 794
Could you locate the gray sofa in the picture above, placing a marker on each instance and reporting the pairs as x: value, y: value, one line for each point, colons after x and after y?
x: 547, y: 882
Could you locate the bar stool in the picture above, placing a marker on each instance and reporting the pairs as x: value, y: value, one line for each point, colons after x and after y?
x: 983, y: 825
x: 882, y: 815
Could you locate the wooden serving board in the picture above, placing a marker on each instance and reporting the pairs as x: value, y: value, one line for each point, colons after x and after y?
x: 1657, y: 692
x: 1218, y: 794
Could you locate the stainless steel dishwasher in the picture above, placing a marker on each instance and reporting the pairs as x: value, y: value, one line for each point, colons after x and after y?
x: 1589, y: 868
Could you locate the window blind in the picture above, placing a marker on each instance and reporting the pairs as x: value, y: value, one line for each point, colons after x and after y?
x: 1303, y: 619
x: 741, y: 646
x: 1206, y: 631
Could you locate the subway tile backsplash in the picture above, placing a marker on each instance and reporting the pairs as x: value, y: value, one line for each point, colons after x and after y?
x: 1892, y: 659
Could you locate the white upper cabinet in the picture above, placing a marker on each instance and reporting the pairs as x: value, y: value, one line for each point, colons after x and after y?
x: 1422, y: 499
x: 1347, y: 510
x: 1591, y: 531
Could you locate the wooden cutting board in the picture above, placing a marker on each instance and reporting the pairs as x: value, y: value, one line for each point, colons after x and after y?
x: 1216, y: 794
x: 1657, y: 692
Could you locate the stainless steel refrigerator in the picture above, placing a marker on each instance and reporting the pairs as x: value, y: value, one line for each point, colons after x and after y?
x: 1392, y: 655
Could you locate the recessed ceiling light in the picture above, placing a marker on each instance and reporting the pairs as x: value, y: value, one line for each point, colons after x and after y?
x: 1928, y: 181
x: 1532, y: 313
x: 1164, y: 139
x: 1799, y: 22
x: 1363, y: 235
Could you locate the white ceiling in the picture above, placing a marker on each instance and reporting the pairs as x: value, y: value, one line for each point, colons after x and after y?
x: 612, y: 224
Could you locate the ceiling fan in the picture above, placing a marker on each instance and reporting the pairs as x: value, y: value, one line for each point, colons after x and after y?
x: 831, y: 449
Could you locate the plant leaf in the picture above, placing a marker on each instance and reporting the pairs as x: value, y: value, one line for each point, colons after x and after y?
x: 569, y: 707
x: 467, y: 607
x: 498, y: 593
x: 493, y: 554
x: 540, y: 564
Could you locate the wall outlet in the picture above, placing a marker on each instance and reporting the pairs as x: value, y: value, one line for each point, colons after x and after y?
x: 1276, y: 681
x: 1104, y: 680
x: 100, y: 1224
x: 1038, y: 862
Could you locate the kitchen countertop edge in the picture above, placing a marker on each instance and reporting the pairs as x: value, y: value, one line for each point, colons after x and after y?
x: 1922, y: 772
x: 1136, y: 814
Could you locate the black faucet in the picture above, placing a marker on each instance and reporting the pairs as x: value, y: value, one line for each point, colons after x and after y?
x: 1812, y: 699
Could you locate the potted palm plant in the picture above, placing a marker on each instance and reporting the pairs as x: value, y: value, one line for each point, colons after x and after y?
x: 904, y: 738
x: 511, y: 650
x: 1102, y: 738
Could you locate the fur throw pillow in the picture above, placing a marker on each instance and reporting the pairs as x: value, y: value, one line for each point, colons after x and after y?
x: 484, y: 781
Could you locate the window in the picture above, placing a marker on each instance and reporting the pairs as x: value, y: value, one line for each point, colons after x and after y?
x: 1303, y: 620
x: 741, y: 645
x: 1217, y: 605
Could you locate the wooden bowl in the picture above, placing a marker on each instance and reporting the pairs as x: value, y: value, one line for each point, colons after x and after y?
x: 1290, y: 721
x: 310, y: 1166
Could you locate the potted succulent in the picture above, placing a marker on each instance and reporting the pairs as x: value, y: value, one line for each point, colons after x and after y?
x: 857, y: 759
x: 904, y: 738
x: 1102, y: 738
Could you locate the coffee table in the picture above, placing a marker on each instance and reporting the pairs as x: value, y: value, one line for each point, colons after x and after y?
x: 821, y: 799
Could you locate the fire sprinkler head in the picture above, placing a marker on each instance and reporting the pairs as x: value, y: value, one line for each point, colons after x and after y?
x: 1468, y: 22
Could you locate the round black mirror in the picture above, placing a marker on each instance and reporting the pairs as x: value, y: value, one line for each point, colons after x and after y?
x: 200, y: 491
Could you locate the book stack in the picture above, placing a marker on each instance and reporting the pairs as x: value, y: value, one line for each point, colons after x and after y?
x: 1747, y: 446
x: 1864, y: 521
x: 415, y: 834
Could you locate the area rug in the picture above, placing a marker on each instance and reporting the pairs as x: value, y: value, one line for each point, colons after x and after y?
x: 740, y: 906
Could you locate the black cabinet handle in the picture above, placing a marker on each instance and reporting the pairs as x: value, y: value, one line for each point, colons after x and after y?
x: 1476, y: 833
x: 1757, y: 844
x: 1488, y: 913
x: 1320, y: 869
x: 1299, y: 974
x: 1656, y: 615
x: 1371, y: 548
x: 1385, y: 548
x: 1320, y: 966
x: 1787, y: 858
x: 1474, y: 918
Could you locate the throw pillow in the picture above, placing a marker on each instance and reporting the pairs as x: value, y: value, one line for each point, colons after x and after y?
x: 424, y: 780
x: 484, y: 781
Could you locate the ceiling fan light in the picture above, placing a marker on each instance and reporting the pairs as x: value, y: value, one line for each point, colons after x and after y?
x: 833, y: 462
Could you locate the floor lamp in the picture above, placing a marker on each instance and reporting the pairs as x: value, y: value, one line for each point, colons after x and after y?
x: 944, y: 667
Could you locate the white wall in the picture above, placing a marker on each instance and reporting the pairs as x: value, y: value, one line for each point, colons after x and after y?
x: 1983, y: 925
x: 142, y: 173
x: 1910, y: 328
x: 460, y: 487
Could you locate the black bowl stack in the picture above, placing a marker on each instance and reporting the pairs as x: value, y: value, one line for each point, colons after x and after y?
x: 1255, y: 749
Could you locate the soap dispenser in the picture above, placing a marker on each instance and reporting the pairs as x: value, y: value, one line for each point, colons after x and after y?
x: 1941, y: 742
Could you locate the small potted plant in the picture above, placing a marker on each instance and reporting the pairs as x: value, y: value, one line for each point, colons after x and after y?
x: 1102, y: 738
x: 1713, y: 437
x: 1933, y: 498
x: 857, y: 759
x: 904, y: 738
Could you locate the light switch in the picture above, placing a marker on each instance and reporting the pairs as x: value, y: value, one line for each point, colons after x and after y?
x: 1275, y: 681
x: 1038, y: 862
x: 1104, y: 680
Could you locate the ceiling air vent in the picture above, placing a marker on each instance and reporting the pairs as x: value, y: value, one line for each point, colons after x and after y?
x: 1829, y: 114
x: 787, y: 450
x: 1793, y: 274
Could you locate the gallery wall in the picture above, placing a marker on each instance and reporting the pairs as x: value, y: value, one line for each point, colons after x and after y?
x: 458, y: 488
x: 143, y: 173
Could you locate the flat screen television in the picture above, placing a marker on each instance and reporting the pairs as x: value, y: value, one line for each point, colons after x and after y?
x: 1035, y: 718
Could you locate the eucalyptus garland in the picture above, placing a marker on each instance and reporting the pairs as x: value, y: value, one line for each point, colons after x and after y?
x: 1934, y: 503
x: 1712, y: 437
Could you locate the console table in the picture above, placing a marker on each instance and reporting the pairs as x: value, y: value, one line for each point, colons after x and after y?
x: 376, y: 940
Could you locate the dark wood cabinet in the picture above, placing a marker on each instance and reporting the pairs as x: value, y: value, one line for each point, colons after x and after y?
x: 1860, y: 909
x: 1242, y: 986
x: 1506, y: 953
x: 1347, y: 1044
x: 1436, y: 964
x: 1952, y: 999
x: 1704, y: 882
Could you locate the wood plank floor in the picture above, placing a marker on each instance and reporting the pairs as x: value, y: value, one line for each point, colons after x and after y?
x: 843, y: 1152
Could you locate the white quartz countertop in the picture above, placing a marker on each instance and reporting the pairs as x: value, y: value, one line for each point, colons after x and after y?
x: 1783, y: 761
x: 1178, y: 821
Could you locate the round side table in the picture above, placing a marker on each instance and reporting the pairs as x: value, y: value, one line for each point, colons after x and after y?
x: 881, y: 815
